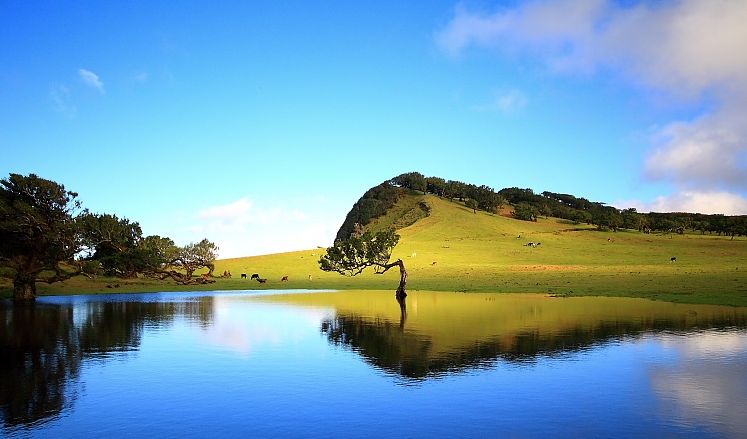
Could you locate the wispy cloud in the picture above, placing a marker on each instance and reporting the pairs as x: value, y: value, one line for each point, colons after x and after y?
x: 506, y: 102
x: 91, y: 79
x: 141, y: 77
x: 61, y: 101
x: 685, y: 48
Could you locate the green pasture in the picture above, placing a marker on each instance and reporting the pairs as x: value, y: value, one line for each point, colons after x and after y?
x: 455, y: 249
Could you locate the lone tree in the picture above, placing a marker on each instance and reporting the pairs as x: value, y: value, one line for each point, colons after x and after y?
x: 38, y: 232
x: 351, y: 256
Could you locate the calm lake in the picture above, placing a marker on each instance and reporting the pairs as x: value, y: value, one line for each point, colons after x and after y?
x: 359, y: 364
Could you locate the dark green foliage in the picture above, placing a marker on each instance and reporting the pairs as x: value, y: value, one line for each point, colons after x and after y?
x: 471, y: 204
x: 37, y: 230
x: 42, y: 233
x: 353, y: 255
x: 436, y: 186
x: 374, y: 203
x: 113, y: 242
x: 412, y: 180
x: 525, y: 212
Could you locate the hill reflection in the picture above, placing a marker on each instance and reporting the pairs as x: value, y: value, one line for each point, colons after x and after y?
x: 452, y: 332
x: 46, y: 347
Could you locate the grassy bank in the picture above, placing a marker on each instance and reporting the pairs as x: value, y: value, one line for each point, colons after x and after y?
x: 455, y: 249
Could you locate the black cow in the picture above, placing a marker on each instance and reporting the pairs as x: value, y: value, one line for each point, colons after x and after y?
x: 673, y: 259
x: 255, y: 276
x: 243, y: 275
x: 260, y: 280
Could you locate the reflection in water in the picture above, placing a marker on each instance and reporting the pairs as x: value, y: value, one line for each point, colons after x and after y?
x: 402, y: 300
x: 40, y: 355
x: 706, y: 383
x: 511, y: 328
x: 166, y: 364
x: 42, y: 347
x: 411, y: 354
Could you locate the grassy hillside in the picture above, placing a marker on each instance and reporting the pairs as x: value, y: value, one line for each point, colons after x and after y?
x: 454, y: 249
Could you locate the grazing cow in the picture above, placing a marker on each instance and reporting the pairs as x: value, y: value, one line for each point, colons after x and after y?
x: 433, y: 263
x: 284, y: 279
x: 530, y: 244
x: 243, y: 275
x: 673, y: 259
x: 255, y: 276
x: 262, y: 281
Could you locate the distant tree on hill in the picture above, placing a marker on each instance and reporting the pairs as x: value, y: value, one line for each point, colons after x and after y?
x: 471, y: 204
x: 353, y: 255
x: 38, y: 233
x: 525, y: 212
x: 412, y: 180
x: 436, y: 186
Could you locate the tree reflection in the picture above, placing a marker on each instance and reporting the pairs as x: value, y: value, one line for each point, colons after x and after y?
x: 402, y: 300
x: 43, y: 346
x: 40, y: 355
x: 411, y: 354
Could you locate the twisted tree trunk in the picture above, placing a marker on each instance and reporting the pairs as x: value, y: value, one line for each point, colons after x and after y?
x: 401, y: 292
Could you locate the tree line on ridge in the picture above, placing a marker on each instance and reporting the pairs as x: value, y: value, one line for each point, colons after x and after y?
x: 528, y: 206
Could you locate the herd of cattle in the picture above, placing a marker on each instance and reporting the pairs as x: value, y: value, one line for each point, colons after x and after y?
x: 263, y: 280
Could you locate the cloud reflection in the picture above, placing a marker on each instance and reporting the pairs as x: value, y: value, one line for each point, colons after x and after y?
x: 243, y: 329
x: 707, y: 384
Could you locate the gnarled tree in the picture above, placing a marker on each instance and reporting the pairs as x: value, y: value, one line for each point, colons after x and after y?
x: 38, y: 233
x: 184, y: 261
x: 353, y: 255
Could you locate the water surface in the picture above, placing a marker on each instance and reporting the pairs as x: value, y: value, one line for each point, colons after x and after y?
x: 360, y: 364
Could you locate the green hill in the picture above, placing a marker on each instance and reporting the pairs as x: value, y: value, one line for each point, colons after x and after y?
x: 455, y: 249
x: 452, y: 248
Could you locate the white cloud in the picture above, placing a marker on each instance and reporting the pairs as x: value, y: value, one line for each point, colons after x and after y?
x: 242, y: 229
x: 91, y: 79
x: 685, y: 48
x: 230, y: 212
x: 709, y: 152
x: 668, y: 45
x: 61, y: 102
x: 726, y: 203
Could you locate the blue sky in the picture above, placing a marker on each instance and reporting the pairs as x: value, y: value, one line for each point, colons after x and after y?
x: 258, y: 125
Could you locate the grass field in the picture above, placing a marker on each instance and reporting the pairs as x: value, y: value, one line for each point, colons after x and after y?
x: 455, y: 249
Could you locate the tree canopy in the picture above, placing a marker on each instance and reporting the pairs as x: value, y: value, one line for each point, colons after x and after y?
x: 37, y: 231
x: 353, y: 255
x: 45, y: 236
